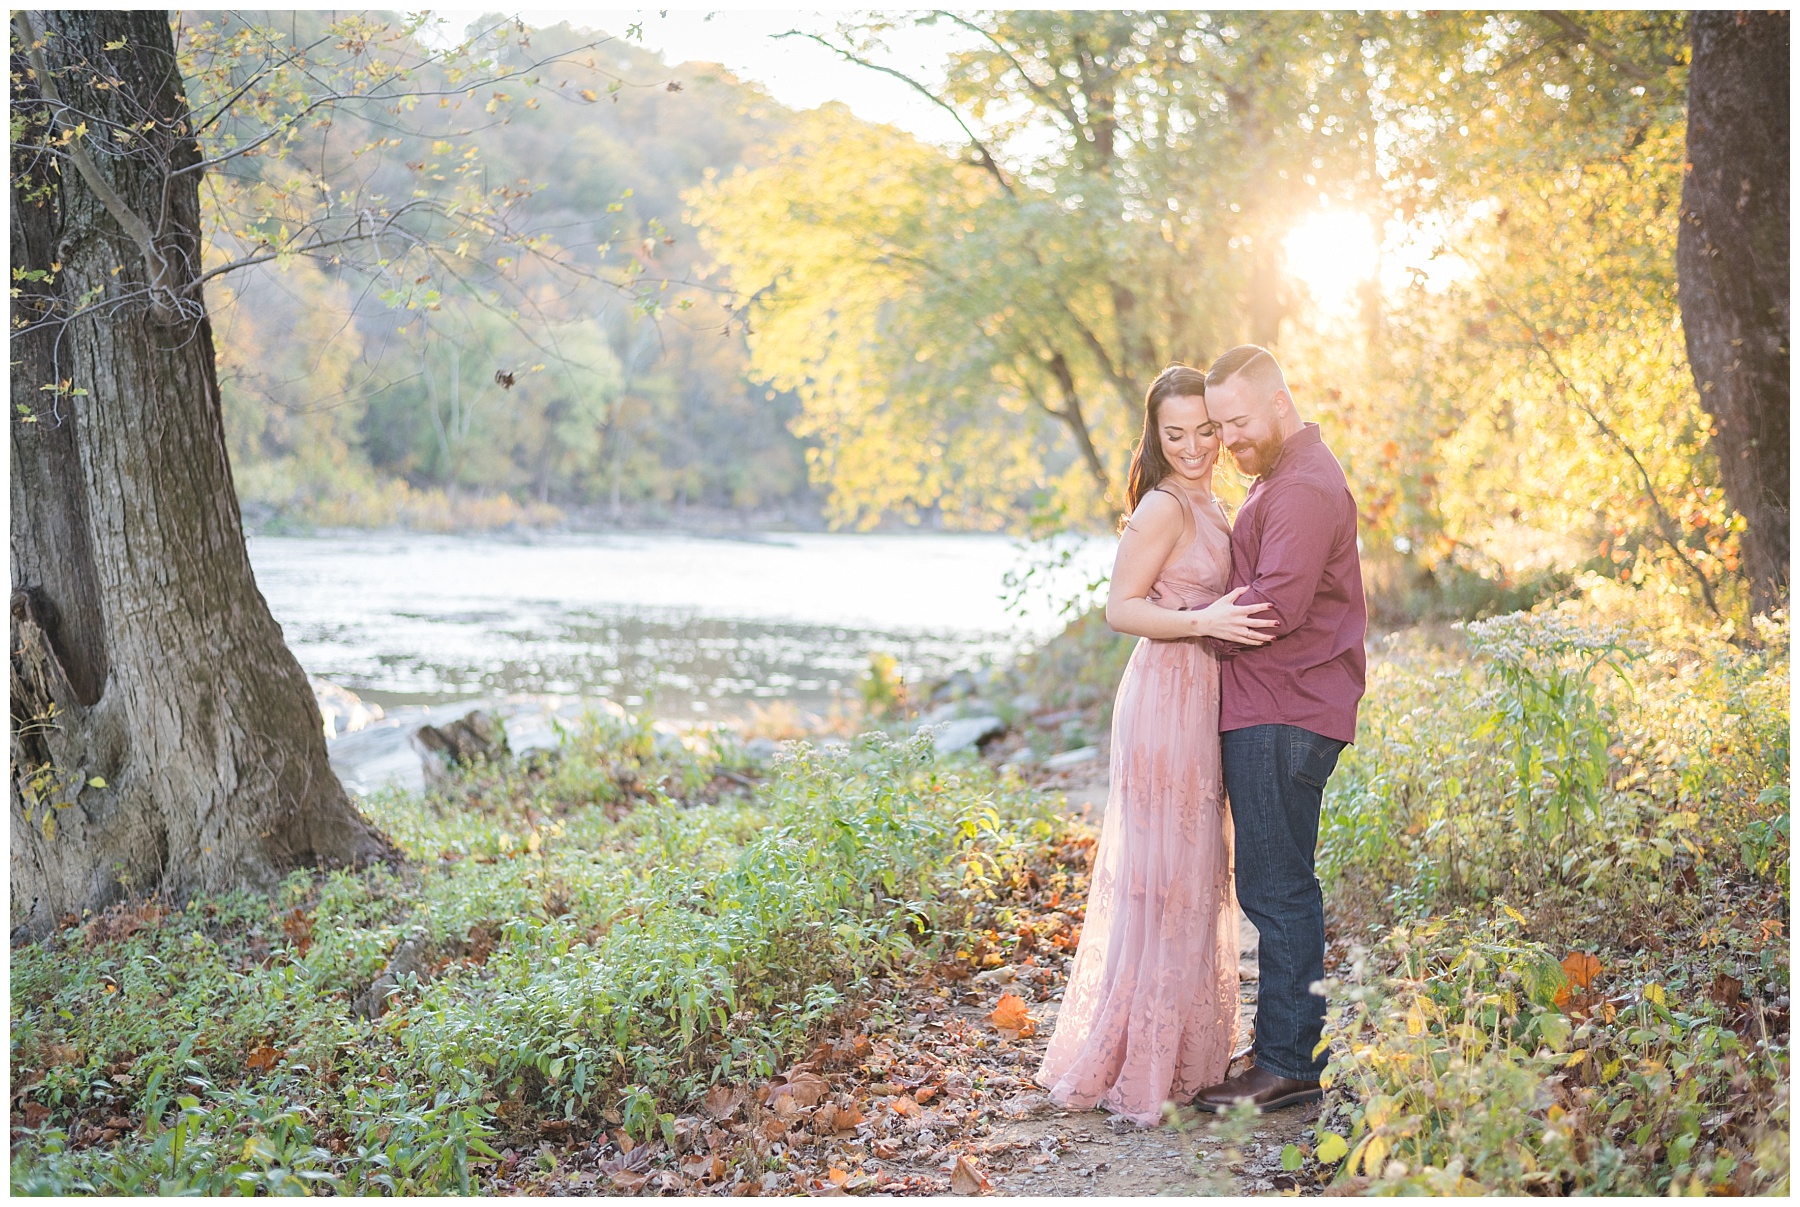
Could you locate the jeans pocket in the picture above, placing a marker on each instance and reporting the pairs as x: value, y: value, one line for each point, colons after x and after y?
x: 1313, y: 757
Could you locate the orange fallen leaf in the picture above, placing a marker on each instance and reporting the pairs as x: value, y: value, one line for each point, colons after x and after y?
x: 1012, y: 1019
x: 262, y: 1058
x: 966, y: 1179
x: 923, y: 1095
x: 1581, y: 968
x: 849, y: 1117
x: 838, y: 1176
x: 903, y: 1105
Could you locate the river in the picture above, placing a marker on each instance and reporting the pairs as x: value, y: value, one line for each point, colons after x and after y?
x: 696, y: 626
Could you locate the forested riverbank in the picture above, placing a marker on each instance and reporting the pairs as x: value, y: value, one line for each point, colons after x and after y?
x: 1527, y: 272
x: 1556, y: 866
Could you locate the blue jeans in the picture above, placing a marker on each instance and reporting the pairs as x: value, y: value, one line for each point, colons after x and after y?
x: 1275, y: 775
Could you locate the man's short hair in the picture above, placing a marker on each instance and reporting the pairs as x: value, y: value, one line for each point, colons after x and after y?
x: 1248, y: 360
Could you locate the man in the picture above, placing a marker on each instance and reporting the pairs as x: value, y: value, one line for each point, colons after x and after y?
x: 1286, y: 709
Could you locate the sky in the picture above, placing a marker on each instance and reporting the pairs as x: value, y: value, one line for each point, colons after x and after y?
x: 797, y: 72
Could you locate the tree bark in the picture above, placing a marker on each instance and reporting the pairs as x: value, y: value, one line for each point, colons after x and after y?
x: 1732, y: 266
x: 164, y: 738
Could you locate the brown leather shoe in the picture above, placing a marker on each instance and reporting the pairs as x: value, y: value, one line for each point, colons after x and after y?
x: 1264, y: 1090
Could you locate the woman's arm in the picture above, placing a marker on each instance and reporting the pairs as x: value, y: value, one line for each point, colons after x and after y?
x: 1144, y: 547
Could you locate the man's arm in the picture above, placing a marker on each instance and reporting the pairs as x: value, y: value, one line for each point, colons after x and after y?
x: 1296, y: 540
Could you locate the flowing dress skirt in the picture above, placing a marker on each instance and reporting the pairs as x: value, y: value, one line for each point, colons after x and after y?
x: 1150, y: 1013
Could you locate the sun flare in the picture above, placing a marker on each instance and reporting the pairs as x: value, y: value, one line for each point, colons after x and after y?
x: 1332, y: 252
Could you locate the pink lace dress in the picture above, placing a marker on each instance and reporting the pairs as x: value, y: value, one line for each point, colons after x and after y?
x: 1150, y: 1012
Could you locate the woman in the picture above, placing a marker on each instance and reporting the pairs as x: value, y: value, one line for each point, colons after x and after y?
x: 1150, y: 1011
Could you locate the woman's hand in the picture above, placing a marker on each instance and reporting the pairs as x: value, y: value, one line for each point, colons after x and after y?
x: 1227, y: 620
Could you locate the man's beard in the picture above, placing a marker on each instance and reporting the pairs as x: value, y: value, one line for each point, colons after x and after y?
x: 1260, y: 457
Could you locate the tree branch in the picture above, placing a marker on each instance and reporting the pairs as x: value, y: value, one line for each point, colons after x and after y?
x: 985, y: 156
x: 1062, y: 107
x: 1580, y: 34
x: 1665, y: 522
x: 156, y: 265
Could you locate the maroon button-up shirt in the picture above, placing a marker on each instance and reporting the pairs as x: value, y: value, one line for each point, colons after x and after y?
x: 1294, y: 547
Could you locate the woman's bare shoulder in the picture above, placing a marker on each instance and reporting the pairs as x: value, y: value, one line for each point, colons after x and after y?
x: 1158, y: 513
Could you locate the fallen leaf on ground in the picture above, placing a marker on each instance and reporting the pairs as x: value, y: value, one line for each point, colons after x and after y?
x: 262, y: 1058
x: 806, y: 1089
x: 966, y: 1179
x: 1726, y: 990
x: 705, y: 1167
x: 722, y: 1102
x: 1012, y: 1019
x: 1581, y: 968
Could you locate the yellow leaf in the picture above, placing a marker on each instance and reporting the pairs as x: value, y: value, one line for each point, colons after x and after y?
x: 96, y: 782
x: 588, y: 94
x: 1332, y: 1148
x: 1654, y: 993
x: 1415, y: 1020
x: 1374, y: 1153
x: 534, y: 842
x: 1575, y: 1058
x: 1514, y: 914
x: 1379, y: 1110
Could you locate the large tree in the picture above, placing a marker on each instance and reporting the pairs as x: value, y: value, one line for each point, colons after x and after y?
x: 164, y: 738
x: 1732, y: 258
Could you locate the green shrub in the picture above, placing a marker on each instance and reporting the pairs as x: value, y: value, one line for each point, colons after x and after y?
x: 1459, y: 1073
x: 1556, y: 749
x: 580, y: 959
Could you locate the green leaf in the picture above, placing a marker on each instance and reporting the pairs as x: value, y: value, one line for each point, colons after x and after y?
x: 1556, y: 1029
x: 1290, y: 1157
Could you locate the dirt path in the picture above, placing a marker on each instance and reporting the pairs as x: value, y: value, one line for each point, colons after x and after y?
x: 922, y: 1093
x: 1026, y: 1145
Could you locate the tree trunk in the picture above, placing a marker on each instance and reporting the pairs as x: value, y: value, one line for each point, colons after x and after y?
x: 1732, y: 264
x: 164, y: 738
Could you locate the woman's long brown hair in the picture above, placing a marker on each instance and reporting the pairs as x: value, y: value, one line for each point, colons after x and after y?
x: 1148, y: 465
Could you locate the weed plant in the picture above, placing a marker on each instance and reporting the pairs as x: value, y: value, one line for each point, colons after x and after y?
x: 1569, y: 826
x: 591, y: 942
